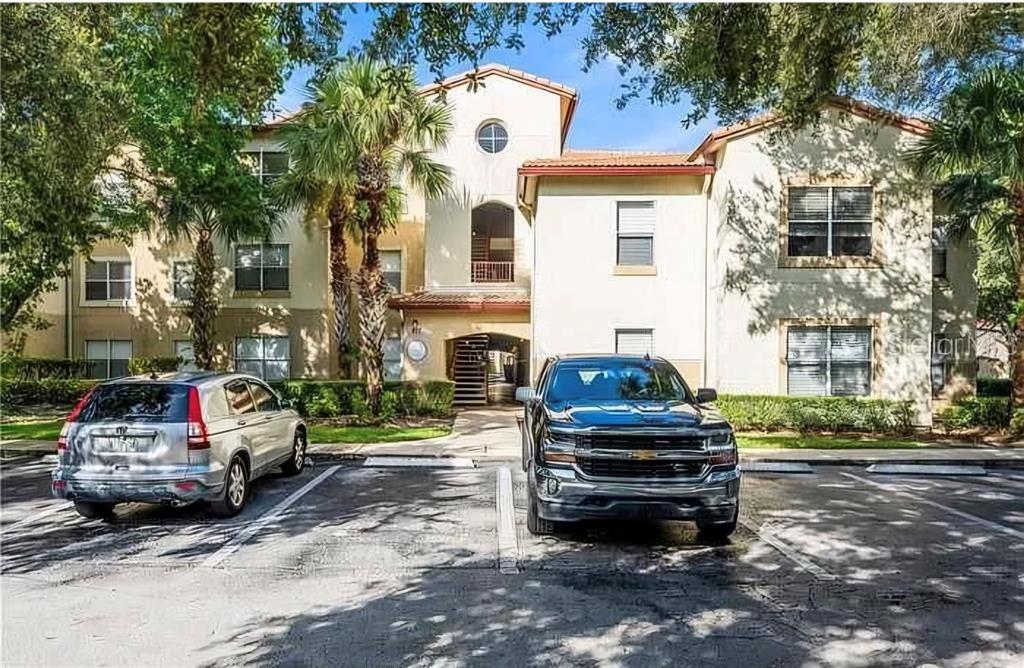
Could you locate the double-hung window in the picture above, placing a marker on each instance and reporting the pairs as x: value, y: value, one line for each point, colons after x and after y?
x: 634, y: 341
x: 108, y: 359
x: 267, y: 357
x: 181, y: 280
x: 108, y: 280
x: 183, y: 351
x: 391, y: 267
x: 829, y: 361
x: 267, y: 166
x: 635, y: 233
x: 393, y: 358
x: 261, y: 267
x: 829, y: 221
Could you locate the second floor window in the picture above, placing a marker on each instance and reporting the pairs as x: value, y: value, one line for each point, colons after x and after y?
x: 829, y: 221
x: 181, y: 280
x: 635, y: 233
x: 261, y: 267
x: 391, y: 267
x: 107, y: 280
x: 266, y: 165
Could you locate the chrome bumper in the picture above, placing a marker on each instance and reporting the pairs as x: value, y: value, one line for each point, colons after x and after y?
x: 197, y: 486
x: 563, y: 496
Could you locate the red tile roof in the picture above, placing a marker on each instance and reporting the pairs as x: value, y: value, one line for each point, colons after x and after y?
x: 461, y: 301
x: 505, y: 71
x: 617, y: 163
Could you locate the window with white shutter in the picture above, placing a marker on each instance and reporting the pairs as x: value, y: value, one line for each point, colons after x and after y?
x: 829, y: 361
x: 634, y: 341
x: 829, y: 221
x: 635, y: 233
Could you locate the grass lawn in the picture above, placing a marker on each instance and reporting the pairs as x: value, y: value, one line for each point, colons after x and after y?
x: 385, y: 434
x: 38, y: 430
x: 823, y: 442
x: 49, y: 430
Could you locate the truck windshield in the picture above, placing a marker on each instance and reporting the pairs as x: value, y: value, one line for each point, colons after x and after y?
x: 141, y: 402
x: 616, y: 380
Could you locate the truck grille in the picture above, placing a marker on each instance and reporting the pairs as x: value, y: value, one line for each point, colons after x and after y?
x: 639, y: 442
x: 635, y: 468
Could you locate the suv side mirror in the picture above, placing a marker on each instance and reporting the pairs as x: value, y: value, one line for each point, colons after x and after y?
x: 706, y: 395
x: 287, y: 403
x: 525, y: 395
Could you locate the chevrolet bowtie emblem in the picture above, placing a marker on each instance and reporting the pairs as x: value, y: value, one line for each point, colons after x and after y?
x: 643, y: 454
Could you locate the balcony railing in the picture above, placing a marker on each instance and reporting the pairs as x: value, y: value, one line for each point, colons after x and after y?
x: 491, y: 272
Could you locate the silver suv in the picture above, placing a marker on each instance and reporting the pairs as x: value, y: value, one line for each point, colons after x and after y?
x: 175, y: 439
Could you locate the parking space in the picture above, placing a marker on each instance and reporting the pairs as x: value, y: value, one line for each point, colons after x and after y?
x: 387, y: 566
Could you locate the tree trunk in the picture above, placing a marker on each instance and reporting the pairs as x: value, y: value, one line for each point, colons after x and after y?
x: 341, y: 283
x: 373, y: 305
x: 1017, y: 336
x: 202, y: 309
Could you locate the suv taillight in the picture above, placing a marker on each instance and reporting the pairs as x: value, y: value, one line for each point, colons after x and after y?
x: 722, y: 450
x: 62, y: 440
x: 198, y: 438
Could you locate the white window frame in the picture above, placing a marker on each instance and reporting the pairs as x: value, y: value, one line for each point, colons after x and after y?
x: 188, y: 363
x: 830, y: 221
x: 110, y: 346
x: 260, y: 172
x: 618, y: 235
x: 174, y: 293
x: 130, y: 299
x: 828, y: 357
x: 262, y: 267
x: 487, y: 123
x: 633, y: 330
x: 400, y: 359
x: 401, y: 266
x: 263, y: 359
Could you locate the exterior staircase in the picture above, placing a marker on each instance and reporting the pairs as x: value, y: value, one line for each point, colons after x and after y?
x: 470, y: 371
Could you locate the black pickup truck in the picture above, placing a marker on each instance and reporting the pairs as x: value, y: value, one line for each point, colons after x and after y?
x: 622, y: 436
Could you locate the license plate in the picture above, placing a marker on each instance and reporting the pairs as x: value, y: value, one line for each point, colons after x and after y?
x: 119, y: 444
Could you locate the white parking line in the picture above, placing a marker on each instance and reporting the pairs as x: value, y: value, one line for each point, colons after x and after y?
x: 249, y: 531
x: 995, y: 526
x: 789, y: 551
x: 508, y: 546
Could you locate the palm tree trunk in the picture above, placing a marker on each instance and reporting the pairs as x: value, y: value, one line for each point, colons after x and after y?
x: 372, y: 307
x: 1017, y: 336
x: 341, y: 283
x: 202, y: 309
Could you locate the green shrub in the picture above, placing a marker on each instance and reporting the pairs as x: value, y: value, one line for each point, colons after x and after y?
x: 1017, y: 422
x: 58, y: 391
x: 331, y: 398
x: 992, y: 412
x: 994, y: 387
x: 141, y: 366
x: 806, y: 414
x: 38, y: 368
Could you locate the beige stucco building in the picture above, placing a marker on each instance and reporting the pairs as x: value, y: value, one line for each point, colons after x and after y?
x: 765, y: 261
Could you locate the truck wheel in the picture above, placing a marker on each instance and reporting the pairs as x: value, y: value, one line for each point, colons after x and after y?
x: 95, y: 510
x: 236, y: 489
x: 716, y: 531
x: 536, y: 524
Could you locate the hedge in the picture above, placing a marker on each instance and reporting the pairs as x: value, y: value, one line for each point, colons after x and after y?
x: 331, y: 398
x: 993, y: 412
x: 40, y: 368
x: 994, y: 387
x: 57, y: 391
x: 806, y: 414
x: 140, y: 366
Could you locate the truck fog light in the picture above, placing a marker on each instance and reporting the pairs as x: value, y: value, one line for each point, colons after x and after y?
x: 552, y: 485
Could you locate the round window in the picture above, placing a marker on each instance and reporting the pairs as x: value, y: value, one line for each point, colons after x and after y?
x: 416, y: 350
x: 492, y: 137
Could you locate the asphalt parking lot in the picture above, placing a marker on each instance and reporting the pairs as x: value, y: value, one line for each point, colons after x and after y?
x: 349, y: 565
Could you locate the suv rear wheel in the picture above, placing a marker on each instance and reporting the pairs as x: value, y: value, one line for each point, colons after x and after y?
x: 95, y: 510
x: 294, y: 465
x: 236, y: 489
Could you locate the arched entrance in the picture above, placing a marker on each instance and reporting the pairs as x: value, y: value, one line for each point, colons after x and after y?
x: 487, y: 368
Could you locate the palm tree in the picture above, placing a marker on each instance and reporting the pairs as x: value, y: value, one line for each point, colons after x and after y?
x: 229, y: 205
x: 391, y: 129
x: 976, y: 153
x: 323, y: 178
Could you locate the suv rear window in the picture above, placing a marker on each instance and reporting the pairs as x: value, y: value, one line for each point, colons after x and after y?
x: 137, y: 402
x: 616, y: 380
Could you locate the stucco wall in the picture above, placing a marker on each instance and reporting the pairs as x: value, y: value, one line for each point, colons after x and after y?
x: 579, y: 301
x: 531, y: 117
x: 438, y: 327
x: 750, y: 294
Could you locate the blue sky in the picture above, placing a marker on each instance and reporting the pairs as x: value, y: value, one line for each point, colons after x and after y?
x: 597, y: 124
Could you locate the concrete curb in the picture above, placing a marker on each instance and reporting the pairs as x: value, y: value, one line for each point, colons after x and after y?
x: 988, y: 463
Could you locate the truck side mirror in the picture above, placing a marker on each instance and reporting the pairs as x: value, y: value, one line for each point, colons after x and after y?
x: 705, y: 395
x: 525, y: 395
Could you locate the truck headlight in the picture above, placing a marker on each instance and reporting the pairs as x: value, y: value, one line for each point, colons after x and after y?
x: 558, y: 447
x: 722, y: 449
